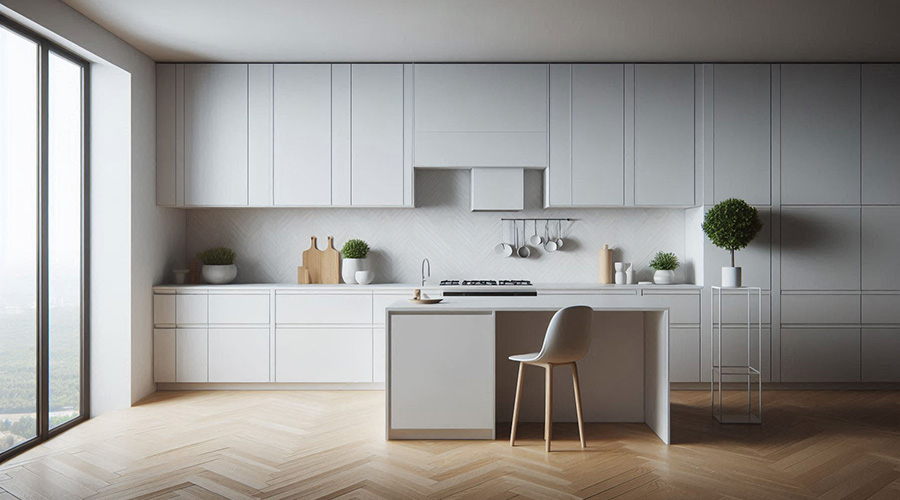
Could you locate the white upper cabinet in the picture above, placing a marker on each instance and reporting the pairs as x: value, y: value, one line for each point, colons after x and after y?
x: 215, y: 135
x: 170, y: 135
x: 481, y: 115
x: 259, y: 140
x: 664, y: 146
x: 587, y: 136
x: 379, y: 168
x: 302, y: 134
x: 880, y: 133
x: 820, y: 134
x: 742, y: 132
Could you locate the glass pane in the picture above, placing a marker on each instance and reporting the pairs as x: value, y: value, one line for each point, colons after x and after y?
x: 64, y: 236
x: 18, y: 238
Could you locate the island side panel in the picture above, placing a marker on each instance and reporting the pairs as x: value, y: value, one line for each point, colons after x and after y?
x: 440, y: 376
x: 656, y: 370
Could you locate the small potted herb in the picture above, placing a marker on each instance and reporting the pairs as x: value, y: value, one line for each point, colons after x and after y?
x: 665, y: 264
x: 218, y: 265
x: 732, y: 225
x: 354, y: 253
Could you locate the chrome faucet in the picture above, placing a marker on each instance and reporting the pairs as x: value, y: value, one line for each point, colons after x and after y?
x: 425, y: 264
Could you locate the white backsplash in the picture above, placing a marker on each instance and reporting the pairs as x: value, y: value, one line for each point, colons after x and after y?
x: 459, y: 243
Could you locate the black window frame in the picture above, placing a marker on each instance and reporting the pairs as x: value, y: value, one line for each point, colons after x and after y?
x: 43, y: 430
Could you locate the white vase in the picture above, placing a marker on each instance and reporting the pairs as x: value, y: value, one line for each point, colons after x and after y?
x: 664, y: 277
x: 219, y: 275
x: 731, y: 277
x: 349, y: 268
x: 364, y: 277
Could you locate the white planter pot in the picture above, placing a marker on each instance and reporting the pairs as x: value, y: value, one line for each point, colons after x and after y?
x: 664, y: 277
x: 731, y: 277
x: 349, y: 268
x: 219, y: 275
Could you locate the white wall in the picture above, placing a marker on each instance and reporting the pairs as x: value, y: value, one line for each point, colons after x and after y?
x: 458, y: 242
x: 133, y: 242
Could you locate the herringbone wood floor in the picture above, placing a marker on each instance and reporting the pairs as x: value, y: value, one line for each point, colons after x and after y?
x: 273, y: 445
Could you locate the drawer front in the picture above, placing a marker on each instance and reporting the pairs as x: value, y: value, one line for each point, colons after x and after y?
x: 239, y: 309
x: 323, y: 309
x: 881, y: 309
x: 820, y: 355
x: 820, y: 309
x: 684, y: 355
x: 734, y: 309
x: 879, y: 355
x: 191, y: 310
x: 239, y: 355
x: 323, y: 355
x: 683, y: 308
x: 164, y: 310
x: 381, y: 302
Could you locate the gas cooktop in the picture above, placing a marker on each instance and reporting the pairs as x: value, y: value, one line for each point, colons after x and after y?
x: 486, y: 282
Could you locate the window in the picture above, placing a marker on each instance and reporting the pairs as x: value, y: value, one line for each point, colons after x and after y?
x: 43, y: 239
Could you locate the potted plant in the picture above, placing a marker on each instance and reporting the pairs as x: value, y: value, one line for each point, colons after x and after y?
x: 665, y: 264
x: 218, y: 265
x: 354, y: 252
x: 732, y: 225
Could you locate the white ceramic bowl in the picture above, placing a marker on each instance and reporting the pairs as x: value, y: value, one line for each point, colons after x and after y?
x: 219, y: 275
x: 364, y: 277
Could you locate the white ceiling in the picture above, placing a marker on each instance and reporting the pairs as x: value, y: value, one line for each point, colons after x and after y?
x: 504, y: 30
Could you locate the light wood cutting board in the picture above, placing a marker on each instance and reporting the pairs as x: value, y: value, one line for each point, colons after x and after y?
x: 312, y: 261
x: 330, y: 270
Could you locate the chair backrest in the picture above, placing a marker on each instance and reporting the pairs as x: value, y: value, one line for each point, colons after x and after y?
x: 568, y: 337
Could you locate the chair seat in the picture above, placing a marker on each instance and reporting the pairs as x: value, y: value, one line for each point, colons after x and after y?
x: 525, y: 358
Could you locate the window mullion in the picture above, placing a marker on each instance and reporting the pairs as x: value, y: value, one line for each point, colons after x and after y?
x: 43, y: 414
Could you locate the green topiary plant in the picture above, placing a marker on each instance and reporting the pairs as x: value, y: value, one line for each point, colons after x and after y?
x: 219, y: 256
x: 665, y: 261
x: 732, y: 225
x: 355, y: 249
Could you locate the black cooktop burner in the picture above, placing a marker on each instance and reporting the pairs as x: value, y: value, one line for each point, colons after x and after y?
x: 486, y: 283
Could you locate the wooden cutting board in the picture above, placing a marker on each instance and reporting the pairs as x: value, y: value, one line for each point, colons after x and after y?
x: 330, y: 270
x: 312, y: 261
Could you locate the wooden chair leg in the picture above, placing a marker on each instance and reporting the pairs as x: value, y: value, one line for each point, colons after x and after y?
x: 577, y: 388
x: 548, y: 416
x: 515, y: 417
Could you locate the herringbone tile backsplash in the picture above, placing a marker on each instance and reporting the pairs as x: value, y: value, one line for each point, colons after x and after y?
x: 459, y: 243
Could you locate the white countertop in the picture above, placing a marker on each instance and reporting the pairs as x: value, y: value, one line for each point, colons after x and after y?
x: 545, y: 303
x: 398, y: 287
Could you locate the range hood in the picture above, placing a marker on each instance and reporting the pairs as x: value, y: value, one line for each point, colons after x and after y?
x: 497, y: 189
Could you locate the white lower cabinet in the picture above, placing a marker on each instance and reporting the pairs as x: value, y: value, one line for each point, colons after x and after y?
x: 458, y: 357
x: 164, y: 355
x: 323, y: 355
x: 734, y: 352
x: 684, y: 355
x: 820, y: 355
x: 879, y: 355
x: 239, y: 355
x: 191, y: 355
x: 378, y: 358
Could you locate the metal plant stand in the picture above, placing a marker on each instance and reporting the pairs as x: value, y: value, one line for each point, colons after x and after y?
x: 748, y: 371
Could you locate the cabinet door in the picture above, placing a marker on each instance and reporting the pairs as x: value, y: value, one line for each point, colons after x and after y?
x: 323, y: 355
x: 481, y: 115
x: 378, y: 350
x: 880, y: 240
x: 742, y: 132
x: 191, y: 310
x: 664, y: 134
x: 684, y: 355
x: 191, y: 355
x: 880, y: 130
x: 163, y: 310
x: 820, y: 125
x: 377, y: 166
x: 302, y: 135
x: 259, y: 155
x: 820, y: 248
x: 303, y: 309
x: 820, y: 355
x: 170, y: 135
x: 215, y: 134
x: 164, y: 355
x: 454, y: 352
x: 879, y: 355
x: 820, y: 309
x: 239, y: 355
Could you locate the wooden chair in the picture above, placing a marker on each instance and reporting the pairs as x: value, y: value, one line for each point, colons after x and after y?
x: 567, y: 340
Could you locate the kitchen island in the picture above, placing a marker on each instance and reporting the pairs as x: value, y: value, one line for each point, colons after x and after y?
x: 448, y: 376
